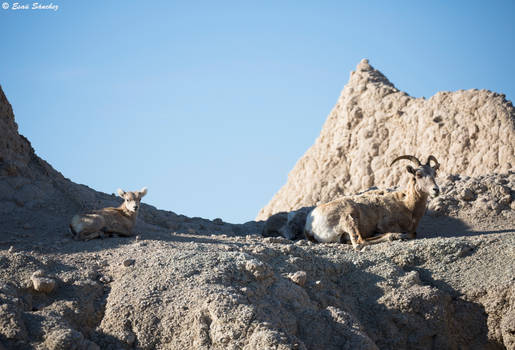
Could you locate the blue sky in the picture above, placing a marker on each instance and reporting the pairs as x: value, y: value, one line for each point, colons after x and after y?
x: 211, y: 103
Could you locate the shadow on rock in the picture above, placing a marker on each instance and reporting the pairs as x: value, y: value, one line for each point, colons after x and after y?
x: 448, y: 226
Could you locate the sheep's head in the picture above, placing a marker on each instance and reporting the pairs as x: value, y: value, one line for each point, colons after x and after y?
x: 424, y: 174
x: 132, y: 199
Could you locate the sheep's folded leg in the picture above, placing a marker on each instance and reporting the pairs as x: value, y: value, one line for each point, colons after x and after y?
x: 90, y: 236
x: 122, y: 233
x: 387, y: 237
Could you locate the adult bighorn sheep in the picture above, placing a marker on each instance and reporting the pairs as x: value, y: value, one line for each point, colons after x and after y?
x: 376, y: 216
x: 108, y: 221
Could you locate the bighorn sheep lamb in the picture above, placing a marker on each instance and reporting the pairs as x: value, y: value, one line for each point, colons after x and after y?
x: 393, y: 215
x: 109, y: 220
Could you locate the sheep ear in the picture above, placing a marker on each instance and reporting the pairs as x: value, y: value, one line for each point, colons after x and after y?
x: 410, y: 169
x: 143, y: 192
x: 121, y: 192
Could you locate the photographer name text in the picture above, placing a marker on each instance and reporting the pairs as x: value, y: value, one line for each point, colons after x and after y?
x: 33, y: 6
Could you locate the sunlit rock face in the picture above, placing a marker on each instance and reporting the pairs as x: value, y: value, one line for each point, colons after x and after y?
x: 470, y: 132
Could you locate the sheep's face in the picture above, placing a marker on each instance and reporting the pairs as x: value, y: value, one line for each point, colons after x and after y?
x: 132, y: 199
x: 425, y: 179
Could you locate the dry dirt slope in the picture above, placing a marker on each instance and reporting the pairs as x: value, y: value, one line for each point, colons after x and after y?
x: 189, y: 283
x: 470, y: 132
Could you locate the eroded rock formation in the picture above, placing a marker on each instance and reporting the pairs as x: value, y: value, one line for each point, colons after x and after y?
x: 470, y: 132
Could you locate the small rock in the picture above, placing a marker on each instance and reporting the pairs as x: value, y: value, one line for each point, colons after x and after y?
x: 467, y: 194
x: 258, y: 269
x: 42, y: 284
x: 481, y: 188
x: 299, y: 278
x: 105, y: 279
x: 504, y: 190
x: 128, y: 262
x: 410, y: 279
x: 505, y: 200
x: 11, y: 250
x: 92, y: 275
x: 288, y: 249
x: 277, y: 240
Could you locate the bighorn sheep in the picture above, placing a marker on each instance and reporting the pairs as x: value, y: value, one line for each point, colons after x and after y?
x: 109, y: 220
x: 288, y: 225
x: 393, y: 215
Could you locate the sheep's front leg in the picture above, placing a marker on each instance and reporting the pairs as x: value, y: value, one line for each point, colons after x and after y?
x: 349, y: 224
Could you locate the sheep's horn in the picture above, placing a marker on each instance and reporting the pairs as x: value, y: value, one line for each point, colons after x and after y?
x: 432, y: 158
x: 412, y: 158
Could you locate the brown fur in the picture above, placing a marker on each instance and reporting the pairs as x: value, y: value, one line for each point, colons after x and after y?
x: 377, y: 216
x: 108, y: 221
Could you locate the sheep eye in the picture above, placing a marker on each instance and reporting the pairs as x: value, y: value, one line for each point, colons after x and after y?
x: 419, y: 175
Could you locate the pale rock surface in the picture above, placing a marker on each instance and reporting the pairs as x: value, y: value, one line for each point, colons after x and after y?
x: 299, y: 278
x: 42, y: 284
x: 470, y: 132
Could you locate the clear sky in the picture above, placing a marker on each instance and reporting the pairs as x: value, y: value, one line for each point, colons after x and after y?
x: 210, y: 103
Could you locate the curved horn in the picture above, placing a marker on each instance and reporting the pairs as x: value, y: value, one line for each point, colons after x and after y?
x: 432, y: 158
x: 412, y: 158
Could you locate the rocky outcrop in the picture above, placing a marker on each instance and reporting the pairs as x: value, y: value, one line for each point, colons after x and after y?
x: 15, y: 150
x: 188, y: 292
x: 470, y: 132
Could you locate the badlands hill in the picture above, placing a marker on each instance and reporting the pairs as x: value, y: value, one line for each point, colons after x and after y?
x: 191, y: 283
x: 470, y: 132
